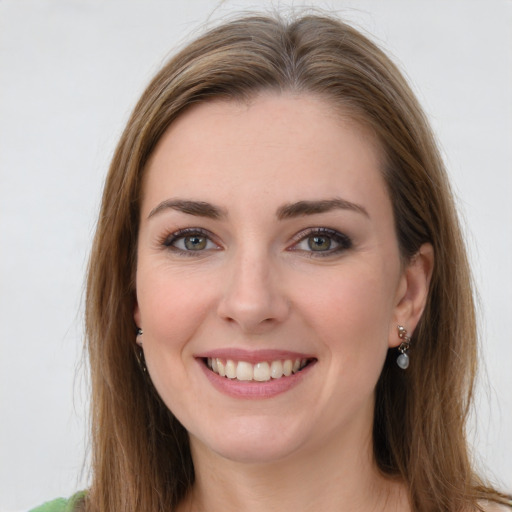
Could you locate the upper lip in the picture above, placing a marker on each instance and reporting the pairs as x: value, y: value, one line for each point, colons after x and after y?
x: 253, y: 356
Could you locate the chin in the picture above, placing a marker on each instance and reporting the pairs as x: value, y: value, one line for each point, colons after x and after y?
x: 252, y: 442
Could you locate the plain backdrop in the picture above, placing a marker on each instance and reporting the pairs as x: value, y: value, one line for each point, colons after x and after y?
x: 70, y: 72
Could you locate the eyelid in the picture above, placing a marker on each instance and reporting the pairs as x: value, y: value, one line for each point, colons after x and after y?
x: 171, y: 238
x: 344, y: 241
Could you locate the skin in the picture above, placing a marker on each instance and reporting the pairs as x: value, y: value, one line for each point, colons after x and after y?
x: 258, y: 284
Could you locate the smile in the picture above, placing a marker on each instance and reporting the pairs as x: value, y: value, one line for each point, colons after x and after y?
x: 262, y: 371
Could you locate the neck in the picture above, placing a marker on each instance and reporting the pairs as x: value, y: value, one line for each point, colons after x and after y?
x: 329, y: 478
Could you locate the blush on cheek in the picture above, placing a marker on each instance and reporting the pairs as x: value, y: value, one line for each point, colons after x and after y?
x: 353, y: 315
x: 171, y: 302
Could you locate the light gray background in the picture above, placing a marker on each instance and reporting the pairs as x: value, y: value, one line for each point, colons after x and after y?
x: 71, y: 70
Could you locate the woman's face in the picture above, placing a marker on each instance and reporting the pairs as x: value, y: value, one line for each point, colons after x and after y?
x: 267, y: 246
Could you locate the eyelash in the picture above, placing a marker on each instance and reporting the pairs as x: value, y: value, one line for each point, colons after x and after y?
x: 343, y: 241
x: 170, y: 240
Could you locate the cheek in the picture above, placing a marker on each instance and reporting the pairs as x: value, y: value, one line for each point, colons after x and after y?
x: 172, y: 304
x: 172, y: 309
x: 351, y: 309
x: 348, y: 310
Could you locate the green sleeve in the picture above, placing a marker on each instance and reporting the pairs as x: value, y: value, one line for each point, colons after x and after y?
x: 60, y: 504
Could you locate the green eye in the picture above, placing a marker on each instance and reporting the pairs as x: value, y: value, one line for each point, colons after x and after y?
x: 195, y: 242
x: 322, y: 242
x: 190, y: 240
x: 319, y: 243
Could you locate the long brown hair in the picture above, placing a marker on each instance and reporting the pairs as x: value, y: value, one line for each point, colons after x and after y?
x: 140, y: 454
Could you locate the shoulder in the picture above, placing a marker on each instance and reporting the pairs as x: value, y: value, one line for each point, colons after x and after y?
x: 60, y: 504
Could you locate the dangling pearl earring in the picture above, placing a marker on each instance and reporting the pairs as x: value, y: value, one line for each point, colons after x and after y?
x: 403, y: 359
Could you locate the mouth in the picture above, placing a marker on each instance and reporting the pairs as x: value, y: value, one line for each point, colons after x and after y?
x: 262, y: 371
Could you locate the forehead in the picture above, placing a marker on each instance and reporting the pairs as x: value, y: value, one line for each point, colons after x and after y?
x: 282, y: 147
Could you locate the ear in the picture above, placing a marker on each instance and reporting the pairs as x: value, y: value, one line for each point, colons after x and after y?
x: 136, y: 314
x: 412, y: 293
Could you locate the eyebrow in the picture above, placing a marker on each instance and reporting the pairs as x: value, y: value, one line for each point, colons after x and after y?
x: 197, y: 208
x: 302, y: 208
x: 287, y: 211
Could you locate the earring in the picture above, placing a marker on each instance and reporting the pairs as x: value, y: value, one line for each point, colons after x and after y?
x: 403, y: 359
x: 139, y: 354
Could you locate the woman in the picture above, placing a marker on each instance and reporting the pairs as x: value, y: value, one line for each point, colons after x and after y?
x: 279, y: 307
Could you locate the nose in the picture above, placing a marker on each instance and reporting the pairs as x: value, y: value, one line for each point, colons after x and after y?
x: 253, y: 297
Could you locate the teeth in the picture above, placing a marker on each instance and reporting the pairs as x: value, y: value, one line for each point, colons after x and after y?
x: 261, y: 372
x: 276, y: 369
x: 287, y: 367
x: 244, y: 371
x: 230, y: 369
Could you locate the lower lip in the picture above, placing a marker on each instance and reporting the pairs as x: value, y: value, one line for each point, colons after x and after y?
x: 254, y: 389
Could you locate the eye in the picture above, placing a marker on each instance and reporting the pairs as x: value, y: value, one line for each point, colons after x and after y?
x: 322, y: 241
x: 190, y: 240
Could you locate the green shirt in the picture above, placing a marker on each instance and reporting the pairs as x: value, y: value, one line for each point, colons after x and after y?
x: 60, y: 504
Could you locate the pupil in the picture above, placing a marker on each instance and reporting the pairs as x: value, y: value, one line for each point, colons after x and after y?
x: 319, y: 243
x: 195, y: 243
